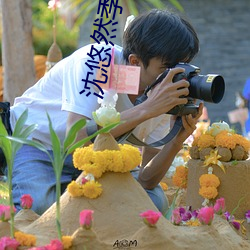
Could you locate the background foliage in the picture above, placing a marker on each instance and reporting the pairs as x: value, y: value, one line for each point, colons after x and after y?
x: 42, y: 19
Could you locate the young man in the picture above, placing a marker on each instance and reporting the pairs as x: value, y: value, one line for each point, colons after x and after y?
x: 154, y: 41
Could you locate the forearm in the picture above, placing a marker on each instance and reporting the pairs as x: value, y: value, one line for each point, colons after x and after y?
x: 152, y: 173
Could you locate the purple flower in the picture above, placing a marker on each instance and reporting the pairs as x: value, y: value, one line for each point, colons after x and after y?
x: 228, y: 216
x: 247, y: 214
x: 195, y: 214
x: 236, y: 224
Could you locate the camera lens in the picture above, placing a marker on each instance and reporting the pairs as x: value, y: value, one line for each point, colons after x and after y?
x: 209, y: 88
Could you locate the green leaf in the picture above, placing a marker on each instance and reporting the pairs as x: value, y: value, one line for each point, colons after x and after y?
x: 35, y: 144
x: 56, y: 147
x: 24, y: 134
x: 132, y: 7
x: 156, y: 3
x: 20, y: 123
x: 172, y: 207
x: 177, y: 5
x: 71, y: 136
x: 5, y: 144
x: 85, y: 140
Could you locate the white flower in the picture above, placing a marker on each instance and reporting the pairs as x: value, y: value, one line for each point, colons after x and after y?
x: 105, y: 116
x: 217, y: 127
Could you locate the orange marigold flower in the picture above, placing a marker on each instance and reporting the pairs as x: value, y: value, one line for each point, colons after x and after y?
x: 67, y: 242
x: 164, y: 186
x: 206, y: 141
x: 242, y: 141
x: 225, y: 139
x: 24, y: 239
x: 208, y: 192
x: 180, y: 177
x: 209, y: 180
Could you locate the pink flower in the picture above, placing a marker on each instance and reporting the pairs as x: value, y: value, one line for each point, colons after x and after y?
x: 248, y: 216
x: 26, y: 201
x: 86, y: 218
x: 206, y: 215
x: 5, y: 212
x: 54, y: 4
x: 150, y: 217
x: 219, y: 206
x: 176, y: 217
x: 55, y: 245
x: 8, y: 243
x: 84, y: 180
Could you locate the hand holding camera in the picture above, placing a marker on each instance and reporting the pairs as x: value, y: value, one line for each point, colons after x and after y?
x: 209, y: 88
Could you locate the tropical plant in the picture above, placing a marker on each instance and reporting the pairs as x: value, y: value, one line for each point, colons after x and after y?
x: 60, y: 152
x: 86, y: 7
x: 9, y: 149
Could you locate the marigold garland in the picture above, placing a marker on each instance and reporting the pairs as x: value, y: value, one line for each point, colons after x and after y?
x: 206, y: 141
x: 180, y: 177
x: 209, y: 180
x: 95, y: 163
x: 24, y: 239
x: 98, y: 162
x: 208, y: 192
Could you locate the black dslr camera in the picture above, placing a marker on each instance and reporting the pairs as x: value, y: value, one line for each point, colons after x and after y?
x: 209, y: 88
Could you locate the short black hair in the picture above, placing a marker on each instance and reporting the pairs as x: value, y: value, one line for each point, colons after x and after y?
x: 161, y: 34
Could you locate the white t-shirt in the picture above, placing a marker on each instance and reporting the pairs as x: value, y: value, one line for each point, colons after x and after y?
x: 59, y: 91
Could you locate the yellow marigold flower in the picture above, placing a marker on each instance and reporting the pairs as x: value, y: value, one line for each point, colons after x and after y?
x: 193, y: 223
x: 206, y: 141
x: 180, y: 177
x: 226, y: 140
x: 27, y: 240
x: 67, y: 242
x: 93, y: 169
x: 131, y: 157
x: 97, y: 162
x: 209, y: 180
x: 92, y: 189
x: 208, y: 192
x: 164, y: 186
x: 75, y: 189
x: 83, y: 156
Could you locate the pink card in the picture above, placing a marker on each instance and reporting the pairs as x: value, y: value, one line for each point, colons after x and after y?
x: 123, y: 78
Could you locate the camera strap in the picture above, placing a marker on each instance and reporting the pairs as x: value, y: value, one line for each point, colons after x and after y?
x: 131, y: 138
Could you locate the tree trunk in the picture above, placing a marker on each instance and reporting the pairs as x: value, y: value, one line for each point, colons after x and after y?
x: 17, y: 48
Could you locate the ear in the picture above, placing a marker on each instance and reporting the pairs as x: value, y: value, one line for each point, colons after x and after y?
x: 134, y: 60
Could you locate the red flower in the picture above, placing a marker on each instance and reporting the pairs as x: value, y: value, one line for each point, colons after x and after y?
x: 219, y: 206
x: 150, y: 217
x: 86, y: 218
x: 26, y: 201
x: 5, y: 212
x: 206, y: 215
x: 8, y: 243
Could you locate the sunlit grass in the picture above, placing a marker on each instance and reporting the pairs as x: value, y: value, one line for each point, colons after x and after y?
x: 4, y: 193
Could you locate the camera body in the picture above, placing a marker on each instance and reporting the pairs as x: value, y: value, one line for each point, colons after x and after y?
x: 209, y: 88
